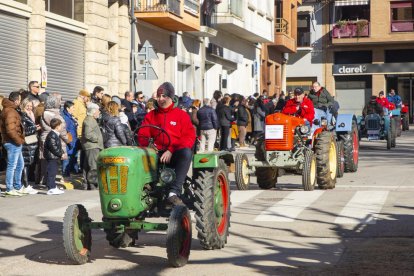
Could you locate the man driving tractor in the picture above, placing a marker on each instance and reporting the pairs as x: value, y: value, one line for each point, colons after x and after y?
x: 373, y: 107
x: 301, y: 106
x: 177, y: 124
x: 320, y: 97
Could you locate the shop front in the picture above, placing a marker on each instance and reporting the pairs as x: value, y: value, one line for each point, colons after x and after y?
x: 354, y: 83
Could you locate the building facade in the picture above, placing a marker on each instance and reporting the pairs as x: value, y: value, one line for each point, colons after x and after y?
x: 306, y: 65
x: 275, y: 55
x: 202, y: 46
x: 82, y: 43
x: 371, y: 49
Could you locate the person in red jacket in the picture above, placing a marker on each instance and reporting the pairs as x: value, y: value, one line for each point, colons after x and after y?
x: 383, y: 101
x: 177, y: 124
x: 300, y: 106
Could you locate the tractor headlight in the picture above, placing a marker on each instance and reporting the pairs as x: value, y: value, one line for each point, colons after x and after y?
x: 324, y: 122
x: 167, y: 175
x: 304, y: 129
x: 362, y: 123
x: 382, y: 121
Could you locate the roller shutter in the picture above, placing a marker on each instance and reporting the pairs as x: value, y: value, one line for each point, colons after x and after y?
x: 65, y: 61
x: 13, y: 53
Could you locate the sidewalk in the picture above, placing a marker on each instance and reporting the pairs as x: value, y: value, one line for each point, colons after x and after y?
x: 72, y: 182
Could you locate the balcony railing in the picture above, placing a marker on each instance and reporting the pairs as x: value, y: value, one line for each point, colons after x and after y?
x: 351, y: 29
x: 402, y: 26
x: 172, y: 6
x: 192, y: 6
x: 281, y: 26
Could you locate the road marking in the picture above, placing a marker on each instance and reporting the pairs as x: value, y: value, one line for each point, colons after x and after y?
x: 375, y: 186
x: 290, y: 207
x: 362, y: 208
x: 60, y: 212
x: 239, y: 197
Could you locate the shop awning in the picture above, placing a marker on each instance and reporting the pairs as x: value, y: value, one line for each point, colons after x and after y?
x: 351, y: 2
x: 305, y: 9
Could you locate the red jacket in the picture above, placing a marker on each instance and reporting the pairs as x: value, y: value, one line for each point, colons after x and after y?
x: 175, y: 122
x: 305, y: 111
x: 385, y: 103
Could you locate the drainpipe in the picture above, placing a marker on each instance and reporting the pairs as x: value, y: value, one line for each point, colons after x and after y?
x: 132, y: 61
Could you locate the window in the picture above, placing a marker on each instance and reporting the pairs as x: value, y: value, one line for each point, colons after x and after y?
x: 304, y: 30
x: 72, y: 9
x: 402, y: 16
x: 352, y: 13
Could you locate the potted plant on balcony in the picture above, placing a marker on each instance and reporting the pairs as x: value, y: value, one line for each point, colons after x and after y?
x: 340, y: 28
x: 361, y: 25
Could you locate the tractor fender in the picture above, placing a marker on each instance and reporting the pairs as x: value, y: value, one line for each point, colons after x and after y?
x: 316, y: 134
x: 344, y: 122
x: 211, y: 160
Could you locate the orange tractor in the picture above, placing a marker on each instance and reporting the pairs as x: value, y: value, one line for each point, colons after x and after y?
x: 290, y: 144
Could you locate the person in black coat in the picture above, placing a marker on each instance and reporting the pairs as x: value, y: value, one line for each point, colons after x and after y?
x: 225, y: 119
x: 53, y: 152
x: 208, y: 124
x: 31, y: 142
x: 242, y: 121
x: 114, y: 131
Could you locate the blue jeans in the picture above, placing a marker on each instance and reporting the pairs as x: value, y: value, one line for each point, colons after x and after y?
x: 15, y: 165
x: 70, y: 165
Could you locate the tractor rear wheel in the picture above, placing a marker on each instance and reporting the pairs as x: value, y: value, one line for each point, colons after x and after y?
x: 266, y: 177
x: 325, y: 150
x: 309, y: 171
x: 242, y: 175
x: 351, y: 148
x: 212, y: 206
x: 340, y: 158
x: 77, y: 239
x: 179, y: 235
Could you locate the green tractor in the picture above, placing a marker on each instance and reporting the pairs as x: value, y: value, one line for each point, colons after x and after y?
x: 133, y: 186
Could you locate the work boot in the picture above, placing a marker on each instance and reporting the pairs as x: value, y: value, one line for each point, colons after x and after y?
x: 174, y: 201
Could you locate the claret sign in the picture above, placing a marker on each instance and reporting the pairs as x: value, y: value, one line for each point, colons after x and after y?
x: 372, y: 69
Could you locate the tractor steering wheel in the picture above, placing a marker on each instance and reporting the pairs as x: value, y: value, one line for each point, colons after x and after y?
x: 151, y: 140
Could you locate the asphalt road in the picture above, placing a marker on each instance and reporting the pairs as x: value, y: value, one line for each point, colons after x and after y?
x: 364, y: 226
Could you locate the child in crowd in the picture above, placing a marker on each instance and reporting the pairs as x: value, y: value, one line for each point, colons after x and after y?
x: 53, y: 153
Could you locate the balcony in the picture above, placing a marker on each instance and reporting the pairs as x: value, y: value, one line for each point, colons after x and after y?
x: 351, y: 29
x: 235, y: 17
x: 172, y: 15
x: 208, y: 20
x: 283, y: 41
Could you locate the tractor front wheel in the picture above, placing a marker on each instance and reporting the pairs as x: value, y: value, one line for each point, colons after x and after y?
x: 394, y: 131
x: 325, y: 150
x: 266, y: 177
x: 242, y: 175
x: 77, y: 239
x: 212, y: 205
x: 309, y: 171
x: 179, y: 235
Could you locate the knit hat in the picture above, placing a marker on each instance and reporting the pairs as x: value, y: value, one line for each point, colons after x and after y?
x: 167, y: 89
x: 43, y: 97
x: 91, y: 108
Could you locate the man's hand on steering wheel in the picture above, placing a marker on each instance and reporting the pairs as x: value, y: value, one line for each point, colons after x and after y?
x: 166, y: 157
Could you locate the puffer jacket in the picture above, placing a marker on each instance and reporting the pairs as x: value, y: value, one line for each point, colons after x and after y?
x: 29, y: 129
x: 114, y: 132
x: 10, y: 124
x: 321, y: 98
x: 207, y: 118
x: 52, y: 147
